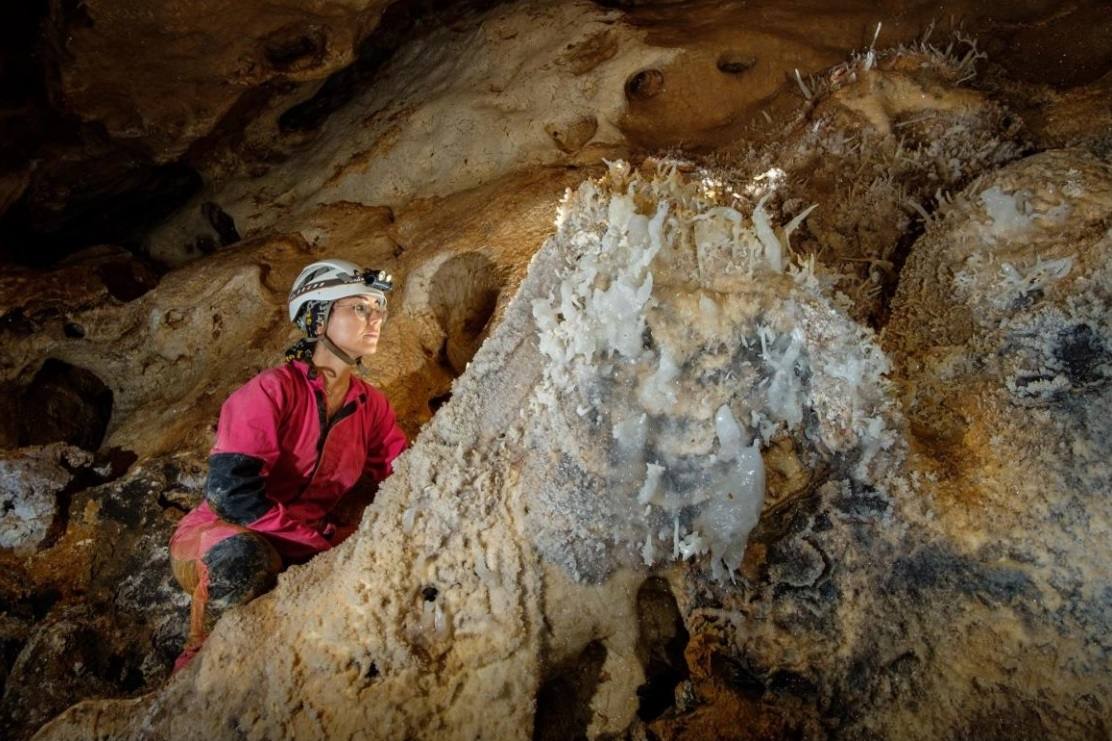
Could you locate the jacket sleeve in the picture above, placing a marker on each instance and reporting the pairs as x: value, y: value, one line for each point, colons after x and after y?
x: 245, y: 452
x: 386, y: 441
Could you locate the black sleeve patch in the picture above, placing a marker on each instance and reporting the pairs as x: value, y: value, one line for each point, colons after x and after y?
x: 235, y: 489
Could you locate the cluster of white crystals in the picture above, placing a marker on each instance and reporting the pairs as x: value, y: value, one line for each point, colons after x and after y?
x: 676, y: 344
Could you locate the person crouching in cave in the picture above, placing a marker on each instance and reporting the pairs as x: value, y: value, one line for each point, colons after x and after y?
x: 290, y: 444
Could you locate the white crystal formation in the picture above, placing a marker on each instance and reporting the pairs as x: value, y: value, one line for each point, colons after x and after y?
x: 678, y: 341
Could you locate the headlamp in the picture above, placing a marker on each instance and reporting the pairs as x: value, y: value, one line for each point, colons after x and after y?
x: 378, y: 279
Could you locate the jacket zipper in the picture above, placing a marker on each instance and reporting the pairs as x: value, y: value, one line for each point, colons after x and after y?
x: 326, y: 426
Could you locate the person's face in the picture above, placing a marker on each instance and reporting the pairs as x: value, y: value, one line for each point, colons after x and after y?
x: 356, y: 323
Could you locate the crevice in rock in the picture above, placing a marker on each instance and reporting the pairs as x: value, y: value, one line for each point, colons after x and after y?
x: 65, y: 403
x: 438, y: 401
x: 395, y: 28
x: 222, y: 222
x: 890, y: 279
x: 81, y: 480
x: 10, y: 648
x: 564, y: 698
x: 108, y: 466
x: 662, y: 640
x: 125, y: 281
x: 110, y: 200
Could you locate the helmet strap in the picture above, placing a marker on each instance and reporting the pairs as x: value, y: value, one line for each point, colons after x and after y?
x: 323, y: 339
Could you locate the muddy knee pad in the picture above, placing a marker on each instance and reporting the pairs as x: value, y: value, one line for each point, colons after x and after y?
x: 240, y: 568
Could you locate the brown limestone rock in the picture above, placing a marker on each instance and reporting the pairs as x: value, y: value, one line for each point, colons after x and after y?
x: 164, y: 74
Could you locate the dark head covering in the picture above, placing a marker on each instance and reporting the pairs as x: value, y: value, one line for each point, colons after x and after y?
x: 311, y: 319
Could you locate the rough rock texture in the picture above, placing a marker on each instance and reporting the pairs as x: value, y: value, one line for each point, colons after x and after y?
x: 97, y: 612
x: 431, y: 125
x: 157, y: 351
x: 164, y: 75
x: 424, y: 129
x: 877, y: 597
x: 924, y: 564
x: 31, y: 480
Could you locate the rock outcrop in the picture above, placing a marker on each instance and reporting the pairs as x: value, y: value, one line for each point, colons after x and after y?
x: 795, y: 426
x: 165, y: 75
x: 898, y: 583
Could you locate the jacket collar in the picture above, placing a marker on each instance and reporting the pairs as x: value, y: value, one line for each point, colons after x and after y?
x: 305, y: 371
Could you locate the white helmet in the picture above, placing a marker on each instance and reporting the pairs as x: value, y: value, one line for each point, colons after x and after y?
x: 331, y: 279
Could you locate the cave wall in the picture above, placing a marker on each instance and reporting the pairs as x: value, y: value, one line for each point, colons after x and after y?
x: 423, y: 138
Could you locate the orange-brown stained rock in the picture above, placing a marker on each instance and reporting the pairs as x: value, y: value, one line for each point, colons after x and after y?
x: 164, y: 73
x: 724, y: 712
x: 703, y: 103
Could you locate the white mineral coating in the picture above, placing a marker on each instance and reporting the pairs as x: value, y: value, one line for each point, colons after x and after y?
x: 658, y: 354
x: 1008, y: 387
x: 30, y: 480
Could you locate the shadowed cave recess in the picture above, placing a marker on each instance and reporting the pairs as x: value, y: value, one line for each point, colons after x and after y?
x: 754, y: 356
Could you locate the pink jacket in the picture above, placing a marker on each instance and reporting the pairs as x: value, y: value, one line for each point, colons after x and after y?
x: 278, y: 466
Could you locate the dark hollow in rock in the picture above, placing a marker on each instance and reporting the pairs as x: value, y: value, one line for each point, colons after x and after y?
x: 126, y: 280
x: 564, y: 698
x: 736, y: 675
x: 73, y: 330
x: 438, y: 401
x: 65, y: 403
x: 735, y: 62
x: 75, y: 13
x: 1083, y: 355
x: 68, y: 657
x: 660, y: 646
x: 112, y: 200
x: 464, y: 294
x: 222, y: 222
x: 644, y: 84
x: 16, y: 322
x: 937, y: 569
x: 395, y: 27
x: 295, y: 48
